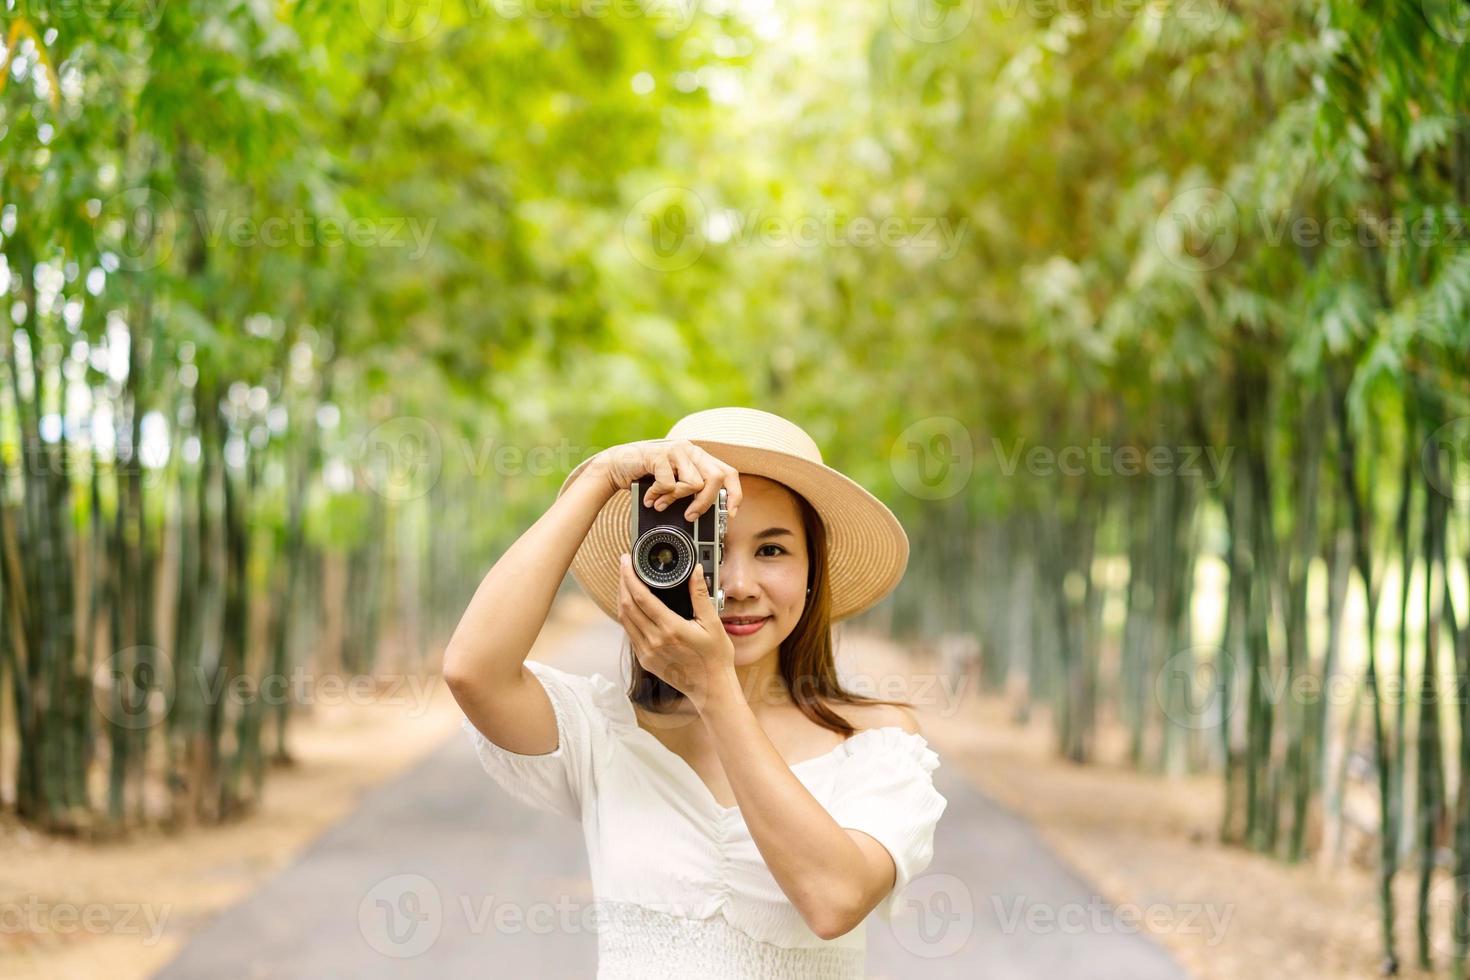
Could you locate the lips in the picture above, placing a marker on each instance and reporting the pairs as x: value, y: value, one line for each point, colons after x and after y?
x: 743, y: 625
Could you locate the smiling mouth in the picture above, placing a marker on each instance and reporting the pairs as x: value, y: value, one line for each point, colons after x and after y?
x: 743, y: 625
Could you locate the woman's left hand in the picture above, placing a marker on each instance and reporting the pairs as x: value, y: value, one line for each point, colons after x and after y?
x: 691, y: 654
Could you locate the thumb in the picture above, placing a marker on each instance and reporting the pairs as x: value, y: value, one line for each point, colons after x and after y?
x: 704, y: 609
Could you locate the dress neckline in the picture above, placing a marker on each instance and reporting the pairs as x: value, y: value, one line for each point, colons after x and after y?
x: 688, y: 774
x: 620, y: 708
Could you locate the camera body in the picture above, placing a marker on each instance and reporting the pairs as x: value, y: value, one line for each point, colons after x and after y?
x: 665, y: 548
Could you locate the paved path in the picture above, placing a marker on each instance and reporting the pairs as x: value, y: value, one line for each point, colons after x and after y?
x: 419, y: 879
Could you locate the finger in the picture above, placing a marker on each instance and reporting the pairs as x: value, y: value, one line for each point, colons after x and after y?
x: 704, y: 608
x: 629, y: 614
x: 713, y: 472
x: 665, y: 498
x: 640, y: 600
x: 688, y: 477
x: 714, y: 479
x: 681, y: 488
x: 663, y: 478
x: 733, y: 494
x: 663, y: 502
x: 656, y: 617
x: 688, y: 471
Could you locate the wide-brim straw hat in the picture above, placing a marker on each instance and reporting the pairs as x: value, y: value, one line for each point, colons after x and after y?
x: 867, y: 549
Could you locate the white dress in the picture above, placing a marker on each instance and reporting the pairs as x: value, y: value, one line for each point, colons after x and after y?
x: 679, y: 887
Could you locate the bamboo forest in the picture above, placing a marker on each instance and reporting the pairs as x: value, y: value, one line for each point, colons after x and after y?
x: 1148, y: 319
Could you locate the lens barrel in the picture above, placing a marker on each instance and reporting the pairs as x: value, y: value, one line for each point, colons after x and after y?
x: 663, y: 557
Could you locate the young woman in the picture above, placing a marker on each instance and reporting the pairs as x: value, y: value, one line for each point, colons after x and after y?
x: 742, y: 812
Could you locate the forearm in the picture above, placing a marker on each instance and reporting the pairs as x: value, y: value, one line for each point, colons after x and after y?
x: 815, y: 861
x: 512, y: 601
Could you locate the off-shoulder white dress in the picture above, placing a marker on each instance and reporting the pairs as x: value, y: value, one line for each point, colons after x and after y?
x: 679, y: 888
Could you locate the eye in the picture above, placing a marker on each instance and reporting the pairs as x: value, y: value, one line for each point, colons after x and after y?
x: 779, y: 549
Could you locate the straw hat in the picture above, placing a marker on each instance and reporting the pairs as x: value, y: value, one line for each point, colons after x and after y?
x: 866, y: 546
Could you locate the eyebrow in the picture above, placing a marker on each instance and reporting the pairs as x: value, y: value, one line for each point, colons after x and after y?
x: 772, y: 532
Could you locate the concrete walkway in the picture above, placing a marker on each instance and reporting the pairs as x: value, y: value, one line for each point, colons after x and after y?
x: 438, y: 873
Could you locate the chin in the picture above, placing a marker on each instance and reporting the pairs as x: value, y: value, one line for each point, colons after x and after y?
x: 747, y: 655
x: 744, y: 658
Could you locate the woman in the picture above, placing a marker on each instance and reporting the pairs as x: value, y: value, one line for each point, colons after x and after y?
x: 742, y: 813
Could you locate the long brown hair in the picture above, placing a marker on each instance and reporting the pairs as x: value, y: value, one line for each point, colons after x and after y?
x: 805, y: 663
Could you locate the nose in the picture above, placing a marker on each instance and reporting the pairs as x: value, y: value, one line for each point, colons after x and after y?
x: 737, y: 578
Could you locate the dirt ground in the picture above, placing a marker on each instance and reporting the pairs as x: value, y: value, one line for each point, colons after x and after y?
x: 1149, y: 841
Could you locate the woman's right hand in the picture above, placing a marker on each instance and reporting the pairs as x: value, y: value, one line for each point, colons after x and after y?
x: 679, y: 468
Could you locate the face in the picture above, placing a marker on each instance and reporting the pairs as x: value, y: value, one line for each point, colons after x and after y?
x: 764, y: 569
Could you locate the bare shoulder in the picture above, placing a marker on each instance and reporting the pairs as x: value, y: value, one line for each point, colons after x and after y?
x: 865, y: 716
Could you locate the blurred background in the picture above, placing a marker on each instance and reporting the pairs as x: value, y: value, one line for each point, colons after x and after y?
x: 1150, y: 319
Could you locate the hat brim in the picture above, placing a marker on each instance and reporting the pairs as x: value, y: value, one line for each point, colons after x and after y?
x: 867, y: 549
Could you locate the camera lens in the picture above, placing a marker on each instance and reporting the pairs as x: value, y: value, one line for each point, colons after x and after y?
x: 663, y: 557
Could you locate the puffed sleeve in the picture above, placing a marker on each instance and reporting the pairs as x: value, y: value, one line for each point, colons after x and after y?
x: 887, y: 791
x: 561, y: 780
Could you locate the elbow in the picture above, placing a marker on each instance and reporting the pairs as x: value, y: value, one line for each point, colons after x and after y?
x: 452, y: 671
x: 835, y: 926
x: 831, y: 918
x: 476, y: 676
x: 456, y: 671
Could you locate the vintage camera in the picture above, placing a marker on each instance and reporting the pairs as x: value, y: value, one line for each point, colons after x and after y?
x: 665, y: 548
